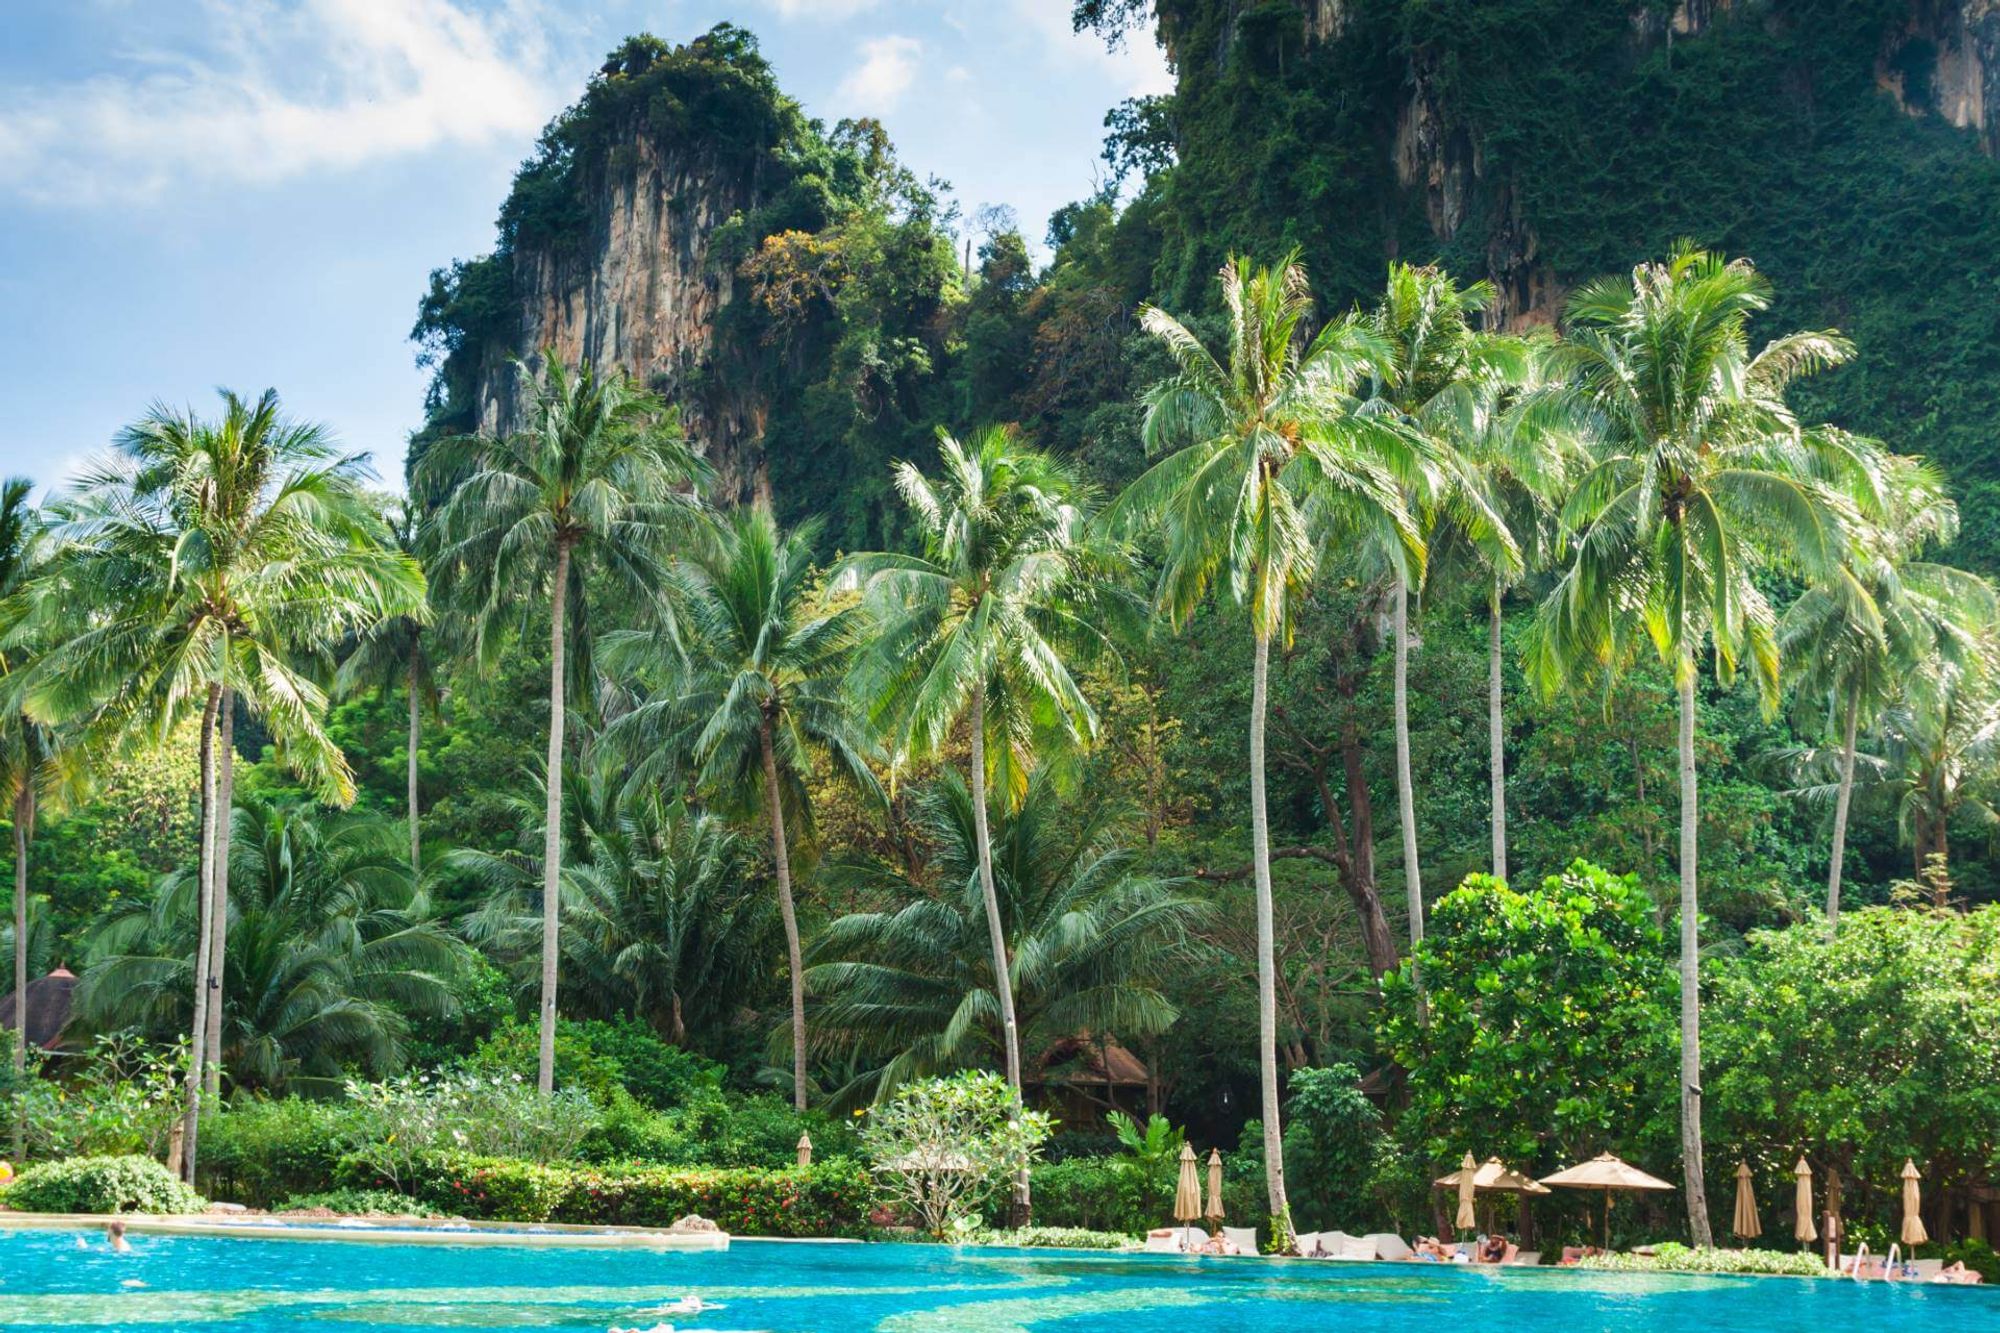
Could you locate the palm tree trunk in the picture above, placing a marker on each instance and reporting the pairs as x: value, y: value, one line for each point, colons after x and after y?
x: 218, y: 911
x: 24, y: 815
x: 1267, y: 954
x: 552, y: 823
x: 1496, y: 734
x: 1840, y: 803
x: 996, y: 930
x: 781, y: 858
x: 416, y: 736
x: 1691, y: 1163
x: 197, y: 1043
x: 1406, y: 797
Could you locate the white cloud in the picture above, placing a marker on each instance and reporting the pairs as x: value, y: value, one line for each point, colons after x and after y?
x: 1138, y: 68
x: 887, y: 70
x: 279, y: 90
x: 831, y: 10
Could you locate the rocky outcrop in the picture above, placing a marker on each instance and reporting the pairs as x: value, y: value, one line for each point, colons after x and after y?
x: 1946, y: 62
x: 636, y: 287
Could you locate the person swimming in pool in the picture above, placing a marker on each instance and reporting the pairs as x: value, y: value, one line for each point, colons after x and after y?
x: 114, y: 1236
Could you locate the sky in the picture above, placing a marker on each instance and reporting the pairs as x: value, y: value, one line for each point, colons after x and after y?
x: 250, y: 193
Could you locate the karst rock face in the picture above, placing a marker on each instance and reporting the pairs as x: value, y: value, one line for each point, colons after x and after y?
x: 638, y: 288
x: 1946, y: 62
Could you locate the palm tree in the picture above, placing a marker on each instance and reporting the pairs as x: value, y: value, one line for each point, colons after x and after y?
x: 657, y: 920
x: 1269, y: 444
x: 333, y: 950
x: 395, y: 653
x: 983, y: 627
x: 760, y: 698
x: 198, y: 568
x: 1440, y: 375
x: 1851, y: 656
x: 912, y: 990
x: 601, y: 481
x: 23, y: 751
x: 1701, y: 478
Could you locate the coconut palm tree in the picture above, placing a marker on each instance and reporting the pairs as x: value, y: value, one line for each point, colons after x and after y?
x: 1851, y: 656
x: 214, y: 565
x: 760, y: 699
x: 1700, y: 478
x: 397, y: 653
x: 23, y: 750
x: 333, y: 951
x: 1441, y: 374
x: 1268, y: 447
x: 657, y: 919
x: 911, y: 989
x: 601, y: 482
x: 984, y: 626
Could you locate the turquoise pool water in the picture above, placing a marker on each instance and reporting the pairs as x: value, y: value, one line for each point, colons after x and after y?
x: 247, y: 1286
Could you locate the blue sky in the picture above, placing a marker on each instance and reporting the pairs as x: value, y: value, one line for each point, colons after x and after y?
x: 250, y: 192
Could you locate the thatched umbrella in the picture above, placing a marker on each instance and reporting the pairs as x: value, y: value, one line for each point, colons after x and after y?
x: 1802, y: 1225
x: 1913, y: 1222
x: 1214, y: 1211
x: 1187, y: 1195
x: 1746, y: 1225
x: 1607, y: 1173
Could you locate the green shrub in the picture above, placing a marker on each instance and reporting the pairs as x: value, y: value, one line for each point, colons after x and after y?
x: 1673, y: 1257
x: 1092, y: 1194
x: 829, y: 1198
x: 1058, y: 1238
x: 101, y: 1185
x: 257, y: 1152
x: 603, y: 1059
x: 358, y: 1203
x: 716, y: 1130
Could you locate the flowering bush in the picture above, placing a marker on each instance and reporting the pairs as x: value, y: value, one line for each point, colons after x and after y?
x: 101, y: 1185
x: 943, y: 1146
x: 120, y: 1099
x: 1673, y: 1257
x: 402, y: 1121
x: 1057, y: 1238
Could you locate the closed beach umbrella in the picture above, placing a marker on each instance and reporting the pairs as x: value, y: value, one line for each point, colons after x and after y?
x: 1913, y: 1224
x: 1607, y: 1173
x: 1467, y: 1183
x: 1214, y: 1213
x: 1746, y: 1227
x: 1803, y: 1228
x: 1187, y: 1198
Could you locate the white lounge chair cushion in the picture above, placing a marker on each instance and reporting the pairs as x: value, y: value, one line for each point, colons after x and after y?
x: 1243, y: 1238
x: 1356, y: 1247
x: 1387, y: 1245
x: 1526, y: 1259
x: 1169, y: 1243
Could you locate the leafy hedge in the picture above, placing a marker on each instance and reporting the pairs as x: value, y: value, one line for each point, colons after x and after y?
x: 1091, y: 1194
x: 829, y: 1198
x: 101, y: 1185
x: 1058, y: 1238
x: 1673, y: 1257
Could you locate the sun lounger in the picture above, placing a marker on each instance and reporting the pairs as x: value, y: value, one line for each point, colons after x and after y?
x: 1306, y: 1242
x: 1356, y: 1248
x: 1175, y: 1240
x: 1524, y: 1259
x: 1243, y: 1238
x: 1387, y: 1245
x: 1926, y: 1270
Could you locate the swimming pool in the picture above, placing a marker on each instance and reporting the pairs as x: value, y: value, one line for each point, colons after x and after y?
x: 254, y: 1286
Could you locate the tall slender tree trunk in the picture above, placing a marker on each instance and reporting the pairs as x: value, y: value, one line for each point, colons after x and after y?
x: 996, y: 930
x: 781, y: 858
x: 416, y: 737
x: 1840, y: 804
x: 552, y: 822
x: 1406, y: 796
x: 1267, y: 954
x: 24, y: 818
x: 1697, y: 1190
x: 218, y: 874
x: 1496, y: 734
x: 205, y: 857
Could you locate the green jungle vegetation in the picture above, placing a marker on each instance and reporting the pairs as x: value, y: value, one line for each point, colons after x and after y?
x: 996, y: 608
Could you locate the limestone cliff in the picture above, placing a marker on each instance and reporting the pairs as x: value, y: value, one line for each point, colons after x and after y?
x: 1946, y: 62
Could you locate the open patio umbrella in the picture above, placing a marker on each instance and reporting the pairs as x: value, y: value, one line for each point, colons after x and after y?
x: 1187, y: 1197
x: 1913, y: 1222
x: 1746, y: 1225
x: 1608, y: 1173
x: 1802, y: 1226
x: 1214, y: 1210
x: 1467, y: 1182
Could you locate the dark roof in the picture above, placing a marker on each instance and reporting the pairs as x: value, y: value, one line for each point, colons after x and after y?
x: 1088, y: 1060
x: 50, y: 999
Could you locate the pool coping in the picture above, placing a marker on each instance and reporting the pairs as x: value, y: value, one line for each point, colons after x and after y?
x: 386, y: 1231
